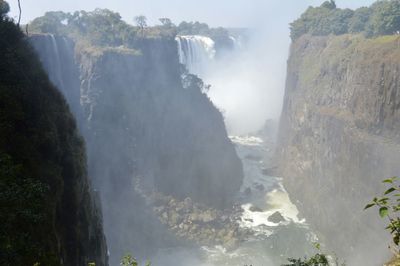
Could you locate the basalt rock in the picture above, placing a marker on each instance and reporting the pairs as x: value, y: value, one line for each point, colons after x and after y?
x: 340, y: 136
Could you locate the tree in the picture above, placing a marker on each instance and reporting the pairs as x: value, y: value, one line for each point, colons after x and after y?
x: 166, y: 22
x: 340, y: 20
x: 359, y: 20
x: 385, y: 18
x: 4, y: 8
x: 141, y: 22
x: 329, y: 4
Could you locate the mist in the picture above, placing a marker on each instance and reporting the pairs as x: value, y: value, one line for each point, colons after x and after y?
x: 219, y: 134
x: 248, y: 86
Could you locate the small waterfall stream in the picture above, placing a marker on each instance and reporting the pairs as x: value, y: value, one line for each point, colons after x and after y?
x: 58, y: 59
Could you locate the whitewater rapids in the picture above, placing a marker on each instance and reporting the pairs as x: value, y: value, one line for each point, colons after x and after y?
x: 273, y: 241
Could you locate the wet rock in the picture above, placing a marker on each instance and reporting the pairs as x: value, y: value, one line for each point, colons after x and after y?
x: 260, y: 187
x: 271, y: 171
x: 255, y: 209
x: 231, y: 244
x: 253, y: 157
x: 188, y: 203
x: 247, y: 192
x: 276, y: 217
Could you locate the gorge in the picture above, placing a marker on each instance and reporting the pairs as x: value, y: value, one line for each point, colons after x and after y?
x: 171, y: 143
x: 153, y: 135
x: 339, y: 135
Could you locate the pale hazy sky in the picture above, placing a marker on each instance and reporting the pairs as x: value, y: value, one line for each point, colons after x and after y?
x: 236, y: 13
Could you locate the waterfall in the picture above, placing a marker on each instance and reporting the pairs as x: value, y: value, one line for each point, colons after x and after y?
x: 195, y: 52
x: 57, y: 78
x: 57, y: 54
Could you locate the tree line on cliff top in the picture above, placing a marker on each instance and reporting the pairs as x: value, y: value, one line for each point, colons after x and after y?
x: 103, y: 27
x: 381, y: 18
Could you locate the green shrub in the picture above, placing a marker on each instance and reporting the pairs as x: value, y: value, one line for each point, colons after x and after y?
x: 382, y: 18
x: 388, y: 207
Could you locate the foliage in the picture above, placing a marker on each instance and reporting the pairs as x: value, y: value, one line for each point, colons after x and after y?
x: 359, y: 21
x: 388, y: 207
x: 316, y: 260
x: 329, y: 4
x: 106, y: 28
x: 129, y: 260
x: 22, y: 201
x: 323, y: 20
x: 101, y: 27
x: 141, y: 21
x: 382, y: 18
x: 4, y: 8
x: 385, y: 18
x: 166, y: 22
x: 193, y: 83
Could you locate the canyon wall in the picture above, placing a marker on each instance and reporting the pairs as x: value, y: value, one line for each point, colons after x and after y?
x: 144, y: 124
x: 340, y: 136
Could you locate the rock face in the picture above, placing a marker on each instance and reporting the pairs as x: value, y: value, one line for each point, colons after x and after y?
x: 50, y: 214
x: 340, y: 136
x: 141, y: 123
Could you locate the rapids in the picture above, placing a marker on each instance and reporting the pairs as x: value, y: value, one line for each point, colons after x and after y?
x: 271, y: 242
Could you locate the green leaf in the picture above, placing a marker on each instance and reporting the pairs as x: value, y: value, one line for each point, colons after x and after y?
x: 396, y: 239
x: 317, y: 245
x: 389, y: 180
x: 383, y: 211
x: 369, y: 206
x: 383, y: 201
x: 390, y: 190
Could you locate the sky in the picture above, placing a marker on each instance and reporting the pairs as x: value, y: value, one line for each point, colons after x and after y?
x: 227, y: 13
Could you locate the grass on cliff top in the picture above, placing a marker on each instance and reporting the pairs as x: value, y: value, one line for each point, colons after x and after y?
x: 317, y: 55
x: 97, y: 51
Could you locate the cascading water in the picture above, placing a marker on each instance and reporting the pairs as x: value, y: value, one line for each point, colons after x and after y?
x: 58, y: 61
x: 195, y: 52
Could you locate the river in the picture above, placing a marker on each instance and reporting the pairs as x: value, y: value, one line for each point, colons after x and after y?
x: 279, y: 232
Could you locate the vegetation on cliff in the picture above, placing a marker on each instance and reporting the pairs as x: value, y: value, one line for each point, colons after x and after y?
x: 46, y: 209
x: 388, y: 207
x: 103, y: 27
x: 381, y: 18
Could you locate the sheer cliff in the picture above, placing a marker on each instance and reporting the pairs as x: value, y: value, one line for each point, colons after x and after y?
x: 339, y: 136
x: 49, y: 213
x: 143, y: 124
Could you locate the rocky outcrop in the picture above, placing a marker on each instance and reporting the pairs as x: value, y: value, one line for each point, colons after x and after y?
x: 197, y: 223
x: 340, y: 136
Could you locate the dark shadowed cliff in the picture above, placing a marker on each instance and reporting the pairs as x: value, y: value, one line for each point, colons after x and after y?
x: 48, y: 211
